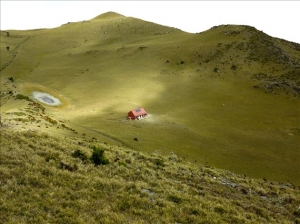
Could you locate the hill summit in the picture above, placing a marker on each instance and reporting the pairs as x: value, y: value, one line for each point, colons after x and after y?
x: 108, y: 15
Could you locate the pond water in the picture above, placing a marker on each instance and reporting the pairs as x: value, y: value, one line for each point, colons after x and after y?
x: 46, y: 98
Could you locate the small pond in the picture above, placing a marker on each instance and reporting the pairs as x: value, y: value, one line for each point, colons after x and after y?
x: 46, y: 98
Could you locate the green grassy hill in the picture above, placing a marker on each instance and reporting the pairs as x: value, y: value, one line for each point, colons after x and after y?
x: 227, y: 97
x: 46, y: 179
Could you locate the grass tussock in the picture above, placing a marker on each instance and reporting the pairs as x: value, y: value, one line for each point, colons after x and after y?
x: 47, y: 179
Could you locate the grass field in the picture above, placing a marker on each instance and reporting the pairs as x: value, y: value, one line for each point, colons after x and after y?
x: 227, y: 97
x: 43, y: 180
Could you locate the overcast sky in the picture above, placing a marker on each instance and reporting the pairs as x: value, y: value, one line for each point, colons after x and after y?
x: 276, y: 18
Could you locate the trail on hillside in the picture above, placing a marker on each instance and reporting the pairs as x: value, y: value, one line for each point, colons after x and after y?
x: 14, y: 53
x: 112, y: 138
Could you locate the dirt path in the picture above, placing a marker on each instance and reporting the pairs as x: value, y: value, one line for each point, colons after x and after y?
x: 112, y: 138
x: 14, y: 53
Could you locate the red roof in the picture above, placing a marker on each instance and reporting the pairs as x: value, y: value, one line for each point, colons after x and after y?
x: 138, y: 112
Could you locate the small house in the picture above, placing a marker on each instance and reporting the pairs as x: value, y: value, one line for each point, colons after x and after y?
x: 137, y: 114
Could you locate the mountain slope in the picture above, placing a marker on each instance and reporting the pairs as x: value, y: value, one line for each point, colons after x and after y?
x: 44, y: 180
x: 227, y: 97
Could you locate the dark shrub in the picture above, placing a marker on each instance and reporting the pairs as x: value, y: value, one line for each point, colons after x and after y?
x: 80, y: 155
x: 98, y: 158
x: 175, y: 199
x: 65, y: 166
x: 159, y: 162
x: 216, y: 70
x: 297, y: 213
x: 22, y: 97
x: 219, y: 209
x: 124, y: 205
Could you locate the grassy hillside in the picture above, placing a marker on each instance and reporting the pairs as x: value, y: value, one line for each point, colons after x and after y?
x: 227, y: 97
x: 50, y: 179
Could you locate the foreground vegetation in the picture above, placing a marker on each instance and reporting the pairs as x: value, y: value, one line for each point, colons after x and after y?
x: 46, y: 179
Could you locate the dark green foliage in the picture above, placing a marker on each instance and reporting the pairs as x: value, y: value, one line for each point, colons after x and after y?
x: 124, y: 206
x: 22, y: 97
x: 80, y: 155
x: 159, y: 162
x: 219, y: 209
x: 216, y: 70
x: 194, y: 212
x: 260, y: 76
x: 175, y: 199
x: 65, y: 166
x: 11, y: 78
x: 141, y: 48
x: 297, y: 213
x: 98, y: 158
x: 7, y: 48
x: 233, y: 67
x: 50, y: 157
